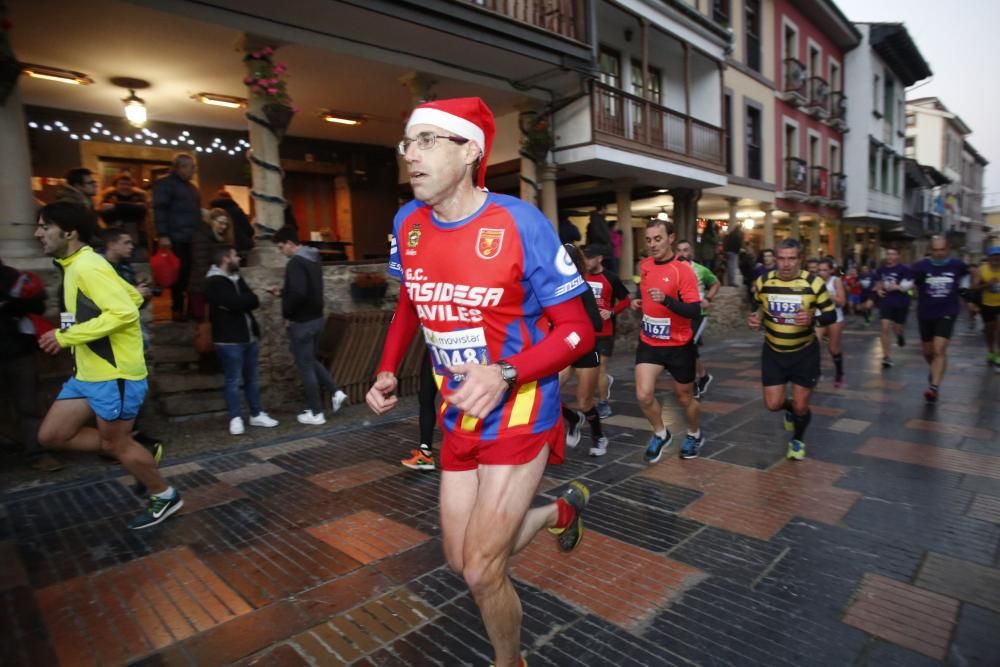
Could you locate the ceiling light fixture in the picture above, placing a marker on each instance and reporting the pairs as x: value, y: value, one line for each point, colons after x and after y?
x: 135, y: 106
x: 56, y: 74
x: 342, y: 118
x: 662, y: 215
x: 216, y: 100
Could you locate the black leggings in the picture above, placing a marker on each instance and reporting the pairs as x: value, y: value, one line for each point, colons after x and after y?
x: 426, y: 393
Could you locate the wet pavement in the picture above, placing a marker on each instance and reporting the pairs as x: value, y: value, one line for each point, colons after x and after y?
x: 881, y: 548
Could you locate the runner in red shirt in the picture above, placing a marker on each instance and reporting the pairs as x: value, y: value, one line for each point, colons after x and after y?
x: 495, y: 293
x: 612, y: 298
x: 669, y: 300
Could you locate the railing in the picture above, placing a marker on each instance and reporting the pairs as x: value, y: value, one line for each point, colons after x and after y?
x: 796, y: 175
x: 819, y: 92
x: 838, y: 187
x: 795, y: 77
x: 562, y: 17
x: 651, y: 125
x: 838, y: 106
x: 818, y: 181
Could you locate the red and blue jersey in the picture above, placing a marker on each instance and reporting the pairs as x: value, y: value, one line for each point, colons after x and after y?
x: 479, y: 287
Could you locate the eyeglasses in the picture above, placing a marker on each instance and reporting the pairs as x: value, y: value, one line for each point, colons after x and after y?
x: 426, y: 140
x: 90, y: 182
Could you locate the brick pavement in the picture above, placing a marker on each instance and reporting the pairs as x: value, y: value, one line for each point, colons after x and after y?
x: 882, y: 548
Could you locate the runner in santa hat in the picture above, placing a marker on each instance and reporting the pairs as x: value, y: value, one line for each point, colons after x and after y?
x: 482, y: 275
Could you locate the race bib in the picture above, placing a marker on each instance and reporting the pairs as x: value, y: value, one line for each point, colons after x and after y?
x: 597, y: 288
x: 783, y: 307
x: 451, y: 348
x: 656, y: 327
x: 66, y: 320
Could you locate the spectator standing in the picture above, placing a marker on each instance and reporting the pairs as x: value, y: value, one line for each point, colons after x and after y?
x: 177, y: 214
x: 241, y: 227
x: 215, y: 231
x: 125, y: 206
x: 79, y: 188
x: 22, y: 302
x: 705, y: 246
x: 568, y: 232
x: 733, y: 245
x: 613, y: 262
x: 598, y: 232
x: 235, y: 334
x: 302, y: 306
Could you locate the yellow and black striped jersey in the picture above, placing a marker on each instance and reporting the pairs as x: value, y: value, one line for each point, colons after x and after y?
x: 782, y: 299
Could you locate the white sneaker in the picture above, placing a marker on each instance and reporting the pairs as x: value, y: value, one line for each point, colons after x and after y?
x: 611, y: 381
x: 236, y: 426
x: 573, y: 432
x: 338, y: 401
x: 307, y: 417
x: 263, y: 419
x: 600, y: 448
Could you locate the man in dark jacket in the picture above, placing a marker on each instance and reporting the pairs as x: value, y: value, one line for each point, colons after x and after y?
x: 125, y: 206
x: 235, y: 333
x: 177, y: 213
x: 22, y: 295
x: 302, y: 306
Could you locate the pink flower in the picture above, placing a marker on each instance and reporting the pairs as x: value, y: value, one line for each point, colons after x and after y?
x: 272, y: 91
x: 255, y: 55
x: 267, y: 50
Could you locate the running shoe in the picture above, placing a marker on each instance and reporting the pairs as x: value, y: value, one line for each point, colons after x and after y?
x: 887, y: 363
x: 603, y: 409
x: 573, y: 433
x: 656, y: 445
x: 838, y: 382
x: 702, y: 384
x: 156, y: 511
x: 263, y: 419
x: 576, y: 496
x: 307, y: 417
x: 611, y: 381
x: 796, y: 450
x: 789, y: 421
x: 338, y: 400
x: 691, y: 446
x: 600, y: 447
x: 420, y: 459
x: 900, y: 340
x: 931, y: 394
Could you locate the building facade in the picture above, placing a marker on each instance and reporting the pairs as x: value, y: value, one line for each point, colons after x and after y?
x: 878, y: 73
x: 812, y: 40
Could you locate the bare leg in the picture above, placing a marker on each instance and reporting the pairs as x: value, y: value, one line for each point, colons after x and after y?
x: 602, y: 380
x: 800, y: 399
x: 63, y: 427
x: 774, y: 397
x: 645, y: 393
x: 692, y: 408
x: 586, y: 383
x: 884, y: 337
x: 940, y: 362
x: 116, y: 439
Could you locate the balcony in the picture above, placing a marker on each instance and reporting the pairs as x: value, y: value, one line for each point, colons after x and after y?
x: 819, y: 97
x: 795, y: 91
x: 818, y: 182
x: 631, y: 122
x: 561, y: 17
x: 796, y: 178
x: 838, y: 111
x: 838, y: 189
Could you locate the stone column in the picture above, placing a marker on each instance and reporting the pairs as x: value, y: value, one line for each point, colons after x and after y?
x: 685, y: 211
x: 529, y: 181
x: 732, y: 201
x: 814, y: 244
x: 623, y: 202
x: 768, y: 225
x: 794, y: 226
x: 835, y: 235
x: 17, y: 247
x: 550, y: 199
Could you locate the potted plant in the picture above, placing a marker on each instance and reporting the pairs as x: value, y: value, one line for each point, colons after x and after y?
x: 266, y: 81
x: 369, y: 286
x: 536, y: 136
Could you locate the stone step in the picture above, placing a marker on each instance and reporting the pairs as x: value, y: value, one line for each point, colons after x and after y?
x: 172, y: 333
x: 173, y: 354
x: 192, y: 403
x: 177, y: 383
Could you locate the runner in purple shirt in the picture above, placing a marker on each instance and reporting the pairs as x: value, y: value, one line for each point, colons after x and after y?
x: 938, y: 280
x: 892, y: 284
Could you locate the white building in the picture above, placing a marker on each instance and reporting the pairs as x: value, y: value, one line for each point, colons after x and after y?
x: 877, y: 74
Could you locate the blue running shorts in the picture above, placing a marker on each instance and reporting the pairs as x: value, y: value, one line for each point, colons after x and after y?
x: 110, y: 400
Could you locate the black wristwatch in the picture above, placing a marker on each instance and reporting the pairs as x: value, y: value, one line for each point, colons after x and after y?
x: 508, y: 373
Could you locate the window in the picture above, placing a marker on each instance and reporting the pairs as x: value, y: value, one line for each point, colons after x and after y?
x: 720, y: 12
x: 876, y: 93
x: 885, y: 176
x: 727, y: 111
x: 653, y: 90
x: 834, y: 159
x: 889, y: 100
x: 791, y: 141
x: 911, y: 147
x: 611, y: 70
x: 791, y: 42
x: 911, y: 120
x: 814, y: 151
x: 834, y: 77
x: 814, y: 61
x: 751, y: 25
x: 753, y: 143
x: 872, y: 166
x: 895, y: 176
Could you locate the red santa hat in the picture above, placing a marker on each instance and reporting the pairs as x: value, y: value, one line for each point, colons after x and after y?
x: 468, y: 117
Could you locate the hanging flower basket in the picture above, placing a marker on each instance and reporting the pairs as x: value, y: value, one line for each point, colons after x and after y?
x: 279, y: 116
x: 536, y: 136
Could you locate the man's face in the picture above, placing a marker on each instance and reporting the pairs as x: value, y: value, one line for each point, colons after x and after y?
x: 812, y: 266
x: 939, y: 250
x: 891, y: 256
x: 684, y: 251
x: 593, y: 264
x: 768, y: 258
x: 124, y: 186
x: 658, y: 242
x: 231, y: 264
x: 55, y: 242
x: 185, y: 169
x: 89, y: 185
x: 436, y: 172
x: 825, y: 271
x: 286, y: 248
x: 120, y: 249
x: 789, y: 262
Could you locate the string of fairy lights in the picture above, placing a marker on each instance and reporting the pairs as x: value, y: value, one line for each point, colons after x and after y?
x: 145, y: 136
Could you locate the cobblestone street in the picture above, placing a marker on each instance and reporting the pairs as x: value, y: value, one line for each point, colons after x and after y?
x: 880, y: 549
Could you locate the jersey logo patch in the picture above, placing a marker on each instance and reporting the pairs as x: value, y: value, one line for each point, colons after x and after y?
x: 489, y: 243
